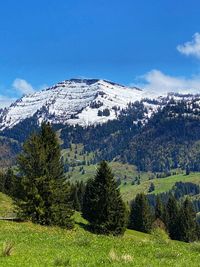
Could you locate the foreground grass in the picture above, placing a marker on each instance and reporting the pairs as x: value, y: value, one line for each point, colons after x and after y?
x: 39, y: 246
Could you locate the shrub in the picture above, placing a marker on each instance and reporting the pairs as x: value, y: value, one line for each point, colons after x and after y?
x: 160, y: 236
x: 8, y: 248
x: 62, y: 262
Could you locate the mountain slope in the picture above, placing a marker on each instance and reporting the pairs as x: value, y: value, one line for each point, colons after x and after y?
x: 75, y: 101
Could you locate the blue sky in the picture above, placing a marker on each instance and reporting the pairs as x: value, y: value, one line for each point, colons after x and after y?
x: 151, y: 43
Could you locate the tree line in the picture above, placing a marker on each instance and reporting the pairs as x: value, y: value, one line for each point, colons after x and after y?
x: 177, y: 218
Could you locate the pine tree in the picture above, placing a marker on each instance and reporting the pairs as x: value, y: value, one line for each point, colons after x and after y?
x: 8, y: 181
x: 187, y: 222
x: 172, y: 210
x: 74, y: 197
x: 151, y: 187
x: 140, y: 215
x: 102, y: 204
x: 159, y: 209
x: 41, y: 172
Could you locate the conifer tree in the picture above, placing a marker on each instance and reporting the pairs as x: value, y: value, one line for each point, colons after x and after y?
x: 172, y: 210
x: 187, y: 222
x: 8, y: 181
x: 102, y: 204
x: 140, y: 215
x: 159, y: 209
x: 75, y: 199
x: 41, y: 173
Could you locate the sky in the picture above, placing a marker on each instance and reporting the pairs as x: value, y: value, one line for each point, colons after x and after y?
x: 153, y: 44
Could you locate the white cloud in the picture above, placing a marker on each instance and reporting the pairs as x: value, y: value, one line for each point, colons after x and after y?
x: 191, y: 48
x: 157, y: 82
x: 20, y: 86
x: 6, y: 101
x: 23, y: 86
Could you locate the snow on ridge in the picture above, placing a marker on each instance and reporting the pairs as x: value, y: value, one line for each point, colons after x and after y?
x: 78, y: 101
x: 70, y: 102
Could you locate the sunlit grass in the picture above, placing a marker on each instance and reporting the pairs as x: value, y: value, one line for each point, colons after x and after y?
x: 39, y: 246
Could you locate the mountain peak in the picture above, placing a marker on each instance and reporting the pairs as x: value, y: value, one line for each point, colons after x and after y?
x: 73, y: 101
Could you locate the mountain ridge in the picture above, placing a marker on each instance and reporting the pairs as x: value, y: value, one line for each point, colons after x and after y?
x: 74, y: 101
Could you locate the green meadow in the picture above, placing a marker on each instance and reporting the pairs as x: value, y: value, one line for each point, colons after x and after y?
x: 39, y: 246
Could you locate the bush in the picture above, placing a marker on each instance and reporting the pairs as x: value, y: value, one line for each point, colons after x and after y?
x: 62, y: 262
x: 160, y: 236
x: 8, y: 248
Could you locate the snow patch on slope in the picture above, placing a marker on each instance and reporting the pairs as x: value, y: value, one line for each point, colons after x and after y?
x: 75, y: 101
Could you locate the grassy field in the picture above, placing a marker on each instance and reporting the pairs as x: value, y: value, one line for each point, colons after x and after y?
x: 161, y: 185
x: 39, y: 246
x: 127, y: 174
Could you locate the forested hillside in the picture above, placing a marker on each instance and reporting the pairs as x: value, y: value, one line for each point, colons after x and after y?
x: 169, y: 139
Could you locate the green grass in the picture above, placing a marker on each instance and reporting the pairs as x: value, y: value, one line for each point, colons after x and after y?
x: 39, y: 246
x: 126, y: 172
x: 6, y: 205
x: 161, y: 185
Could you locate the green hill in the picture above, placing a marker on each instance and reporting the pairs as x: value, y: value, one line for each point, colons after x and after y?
x: 129, y: 191
x: 39, y: 246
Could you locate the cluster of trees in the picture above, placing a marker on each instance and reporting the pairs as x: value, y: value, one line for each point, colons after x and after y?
x: 105, y: 112
x: 177, y: 218
x: 43, y: 195
x: 9, y: 183
x: 77, y: 195
x: 168, y: 141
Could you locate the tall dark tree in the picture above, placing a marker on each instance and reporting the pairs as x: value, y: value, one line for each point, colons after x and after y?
x: 140, y: 215
x: 172, y: 209
x: 41, y: 171
x: 75, y: 200
x: 102, y: 204
x: 159, y: 209
x: 187, y: 222
x: 8, y: 181
x: 151, y: 187
x: 12, y: 184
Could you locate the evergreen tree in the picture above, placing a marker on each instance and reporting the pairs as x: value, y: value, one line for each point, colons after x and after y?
x: 159, y: 209
x: 81, y: 192
x: 172, y: 210
x: 75, y: 200
x: 151, y: 187
x: 140, y: 215
x: 41, y: 171
x: 102, y: 204
x: 8, y: 181
x: 187, y: 222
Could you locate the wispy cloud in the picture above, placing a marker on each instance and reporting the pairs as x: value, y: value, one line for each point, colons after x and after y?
x: 18, y: 88
x: 160, y: 83
x: 23, y: 86
x: 191, y: 48
x: 6, y: 101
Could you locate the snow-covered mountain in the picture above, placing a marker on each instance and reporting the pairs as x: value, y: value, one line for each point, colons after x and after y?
x: 75, y: 101
x: 83, y: 102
